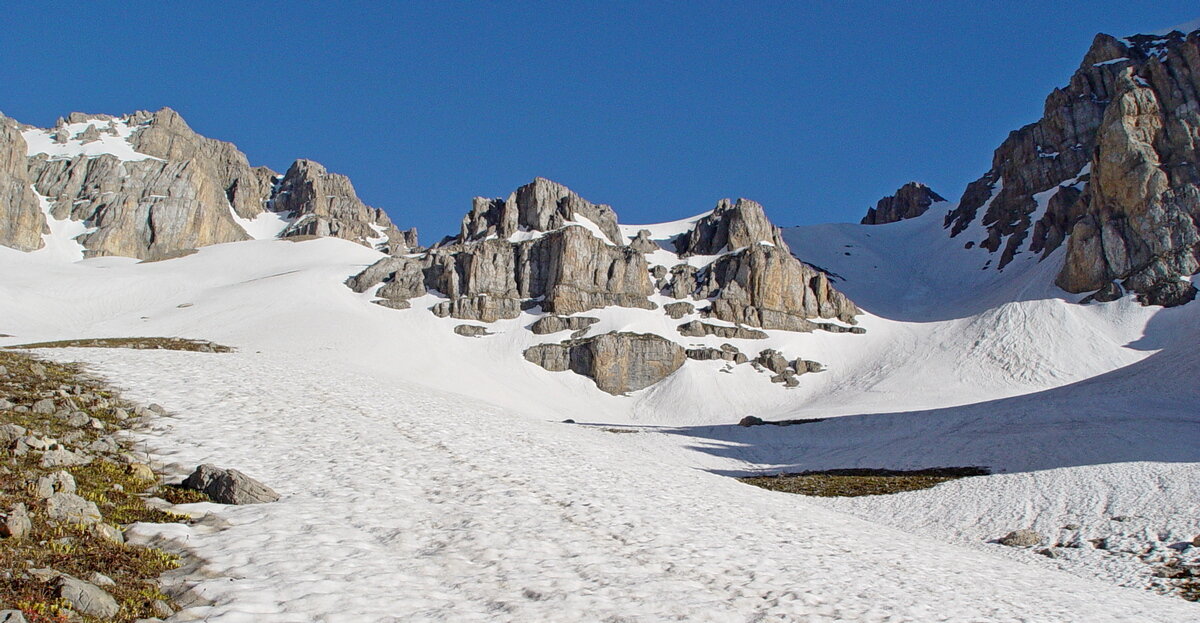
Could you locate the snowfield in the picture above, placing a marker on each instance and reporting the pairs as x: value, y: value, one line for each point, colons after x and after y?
x: 428, y: 477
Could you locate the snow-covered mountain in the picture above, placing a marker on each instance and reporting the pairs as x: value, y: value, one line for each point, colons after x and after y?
x: 408, y: 402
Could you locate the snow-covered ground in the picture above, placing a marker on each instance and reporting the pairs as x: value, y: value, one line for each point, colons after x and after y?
x: 427, y: 477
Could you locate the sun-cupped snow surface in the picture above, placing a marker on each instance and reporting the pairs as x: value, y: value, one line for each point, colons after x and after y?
x: 405, y: 504
x: 114, y: 142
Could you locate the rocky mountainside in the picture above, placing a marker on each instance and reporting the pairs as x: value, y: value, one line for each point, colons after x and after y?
x: 910, y: 201
x: 1111, y: 170
x: 147, y: 186
x: 546, y: 251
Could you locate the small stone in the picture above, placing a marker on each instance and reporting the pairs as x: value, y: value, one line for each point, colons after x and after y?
x: 120, y: 414
x: 4, y: 403
x: 568, y: 421
x: 107, y: 532
x: 751, y: 420
x: 1071, y: 526
x: 162, y: 608
x: 58, y: 482
x: 71, y: 508
x: 10, y: 433
x: 229, y: 486
x: 87, y: 597
x: 38, y: 369
x: 1022, y: 538
x: 15, y: 523
x: 1196, y: 541
x: 99, y: 579
x: 141, y: 471
x: 471, y: 330
x: 157, y: 408
x: 61, y: 457
x: 12, y: 616
x: 44, y: 406
x: 78, y: 419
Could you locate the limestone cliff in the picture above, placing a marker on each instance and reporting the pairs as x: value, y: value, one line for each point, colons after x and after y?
x: 148, y: 186
x: 21, y: 220
x: 1111, y: 169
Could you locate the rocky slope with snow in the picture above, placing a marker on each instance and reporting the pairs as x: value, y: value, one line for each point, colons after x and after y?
x: 147, y: 186
x: 1111, y: 170
x: 547, y: 250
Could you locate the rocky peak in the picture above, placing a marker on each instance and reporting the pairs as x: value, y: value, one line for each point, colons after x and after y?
x: 910, y: 201
x: 540, y: 206
x: 545, y: 250
x: 148, y: 186
x: 21, y: 220
x: 325, y: 204
x: 1111, y: 168
x: 729, y: 227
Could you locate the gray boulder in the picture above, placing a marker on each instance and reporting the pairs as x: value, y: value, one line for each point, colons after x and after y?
x: 87, y: 598
x: 15, y: 523
x: 471, y: 330
x: 71, y: 508
x: 679, y: 310
x: 58, y: 482
x: 617, y: 362
x: 1022, y: 538
x: 12, y: 616
x: 229, y: 486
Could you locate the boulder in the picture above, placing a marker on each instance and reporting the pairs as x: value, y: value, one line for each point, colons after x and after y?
x: 229, y: 486
x: 679, y: 310
x: 87, y: 598
x: 70, y: 508
x: 617, y: 362
x: 471, y: 330
x: 1022, y: 538
x: 553, y: 324
x: 642, y: 242
x: 12, y: 616
x: 15, y: 523
x: 57, y: 482
x: 751, y: 420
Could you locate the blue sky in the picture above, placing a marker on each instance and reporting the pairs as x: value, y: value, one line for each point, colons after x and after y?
x: 660, y: 109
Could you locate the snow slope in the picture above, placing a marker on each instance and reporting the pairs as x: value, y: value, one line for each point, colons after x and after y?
x: 428, y: 479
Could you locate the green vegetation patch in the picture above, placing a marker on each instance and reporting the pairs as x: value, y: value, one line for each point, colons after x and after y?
x: 143, y: 343
x: 118, y: 489
x: 857, y: 482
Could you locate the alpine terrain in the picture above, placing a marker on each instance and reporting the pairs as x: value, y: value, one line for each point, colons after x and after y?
x: 551, y: 415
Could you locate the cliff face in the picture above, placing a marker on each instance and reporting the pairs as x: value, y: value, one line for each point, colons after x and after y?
x: 546, y: 250
x: 147, y: 186
x: 1110, y: 169
x: 21, y: 220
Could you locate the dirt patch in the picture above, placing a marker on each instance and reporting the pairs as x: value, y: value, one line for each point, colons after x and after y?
x: 857, y: 482
x: 142, y: 343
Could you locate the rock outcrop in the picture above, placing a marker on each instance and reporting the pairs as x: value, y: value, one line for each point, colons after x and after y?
x: 1112, y: 166
x: 148, y: 186
x: 21, y: 220
x: 325, y: 204
x: 498, y: 265
x: 618, y: 362
x: 910, y: 201
x: 546, y: 251
x: 539, y: 206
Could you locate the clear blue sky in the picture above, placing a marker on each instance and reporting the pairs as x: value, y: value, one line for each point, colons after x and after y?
x: 659, y: 109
